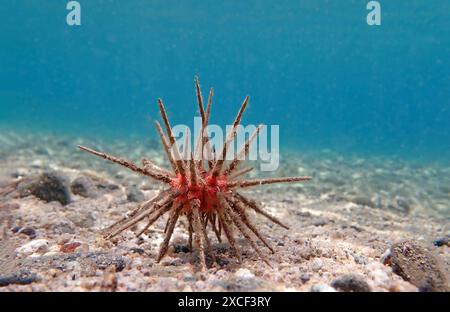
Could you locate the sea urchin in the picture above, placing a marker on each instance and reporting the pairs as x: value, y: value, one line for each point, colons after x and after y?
x: 204, y: 189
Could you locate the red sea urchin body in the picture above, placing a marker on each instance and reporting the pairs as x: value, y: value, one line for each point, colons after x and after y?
x: 205, y: 192
x: 214, y: 185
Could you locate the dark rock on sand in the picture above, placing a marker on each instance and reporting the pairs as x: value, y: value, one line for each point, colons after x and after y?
x: 83, y: 186
x: 30, y: 232
x: 136, y: 250
x: 134, y: 194
x: 16, y: 229
x: 443, y: 241
x: 222, y: 262
x: 351, y: 282
x: 22, y: 277
x: 418, y: 265
x: 48, y: 186
x: 181, y: 248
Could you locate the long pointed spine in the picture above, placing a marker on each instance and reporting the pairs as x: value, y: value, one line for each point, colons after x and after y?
x: 241, y: 227
x: 190, y: 229
x: 240, y: 172
x: 198, y: 233
x: 226, y: 225
x: 205, y: 138
x: 173, y: 218
x: 200, y: 100
x: 151, y: 166
x: 244, y: 152
x: 249, y: 183
x: 160, y: 209
x: 128, y: 164
x: 178, y: 160
x: 143, y: 206
x: 166, y: 146
x: 219, y: 163
x: 253, y: 205
x: 245, y: 220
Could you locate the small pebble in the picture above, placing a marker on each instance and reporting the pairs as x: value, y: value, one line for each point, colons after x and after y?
x: 244, y: 274
x: 84, y: 187
x: 444, y: 241
x: 351, y: 282
x: 22, y: 277
x: 321, y: 288
x: 30, y: 232
x: 34, y: 246
x: 69, y: 247
x: 181, y: 248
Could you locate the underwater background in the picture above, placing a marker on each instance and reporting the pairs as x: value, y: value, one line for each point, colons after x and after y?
x: 362, y: 110
x: 316, y: 68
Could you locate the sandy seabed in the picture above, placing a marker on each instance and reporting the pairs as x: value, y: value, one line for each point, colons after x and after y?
x: 361, y: 224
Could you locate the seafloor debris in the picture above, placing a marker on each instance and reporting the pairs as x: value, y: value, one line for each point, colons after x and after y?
x: 443, y: 241
x: 48, y: 186
x: 203, y: 189
x: 351, y: 282
x: 84, y: 186
x: 417, y: 265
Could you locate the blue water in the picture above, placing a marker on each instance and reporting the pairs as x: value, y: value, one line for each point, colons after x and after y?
x: 313, y: 67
